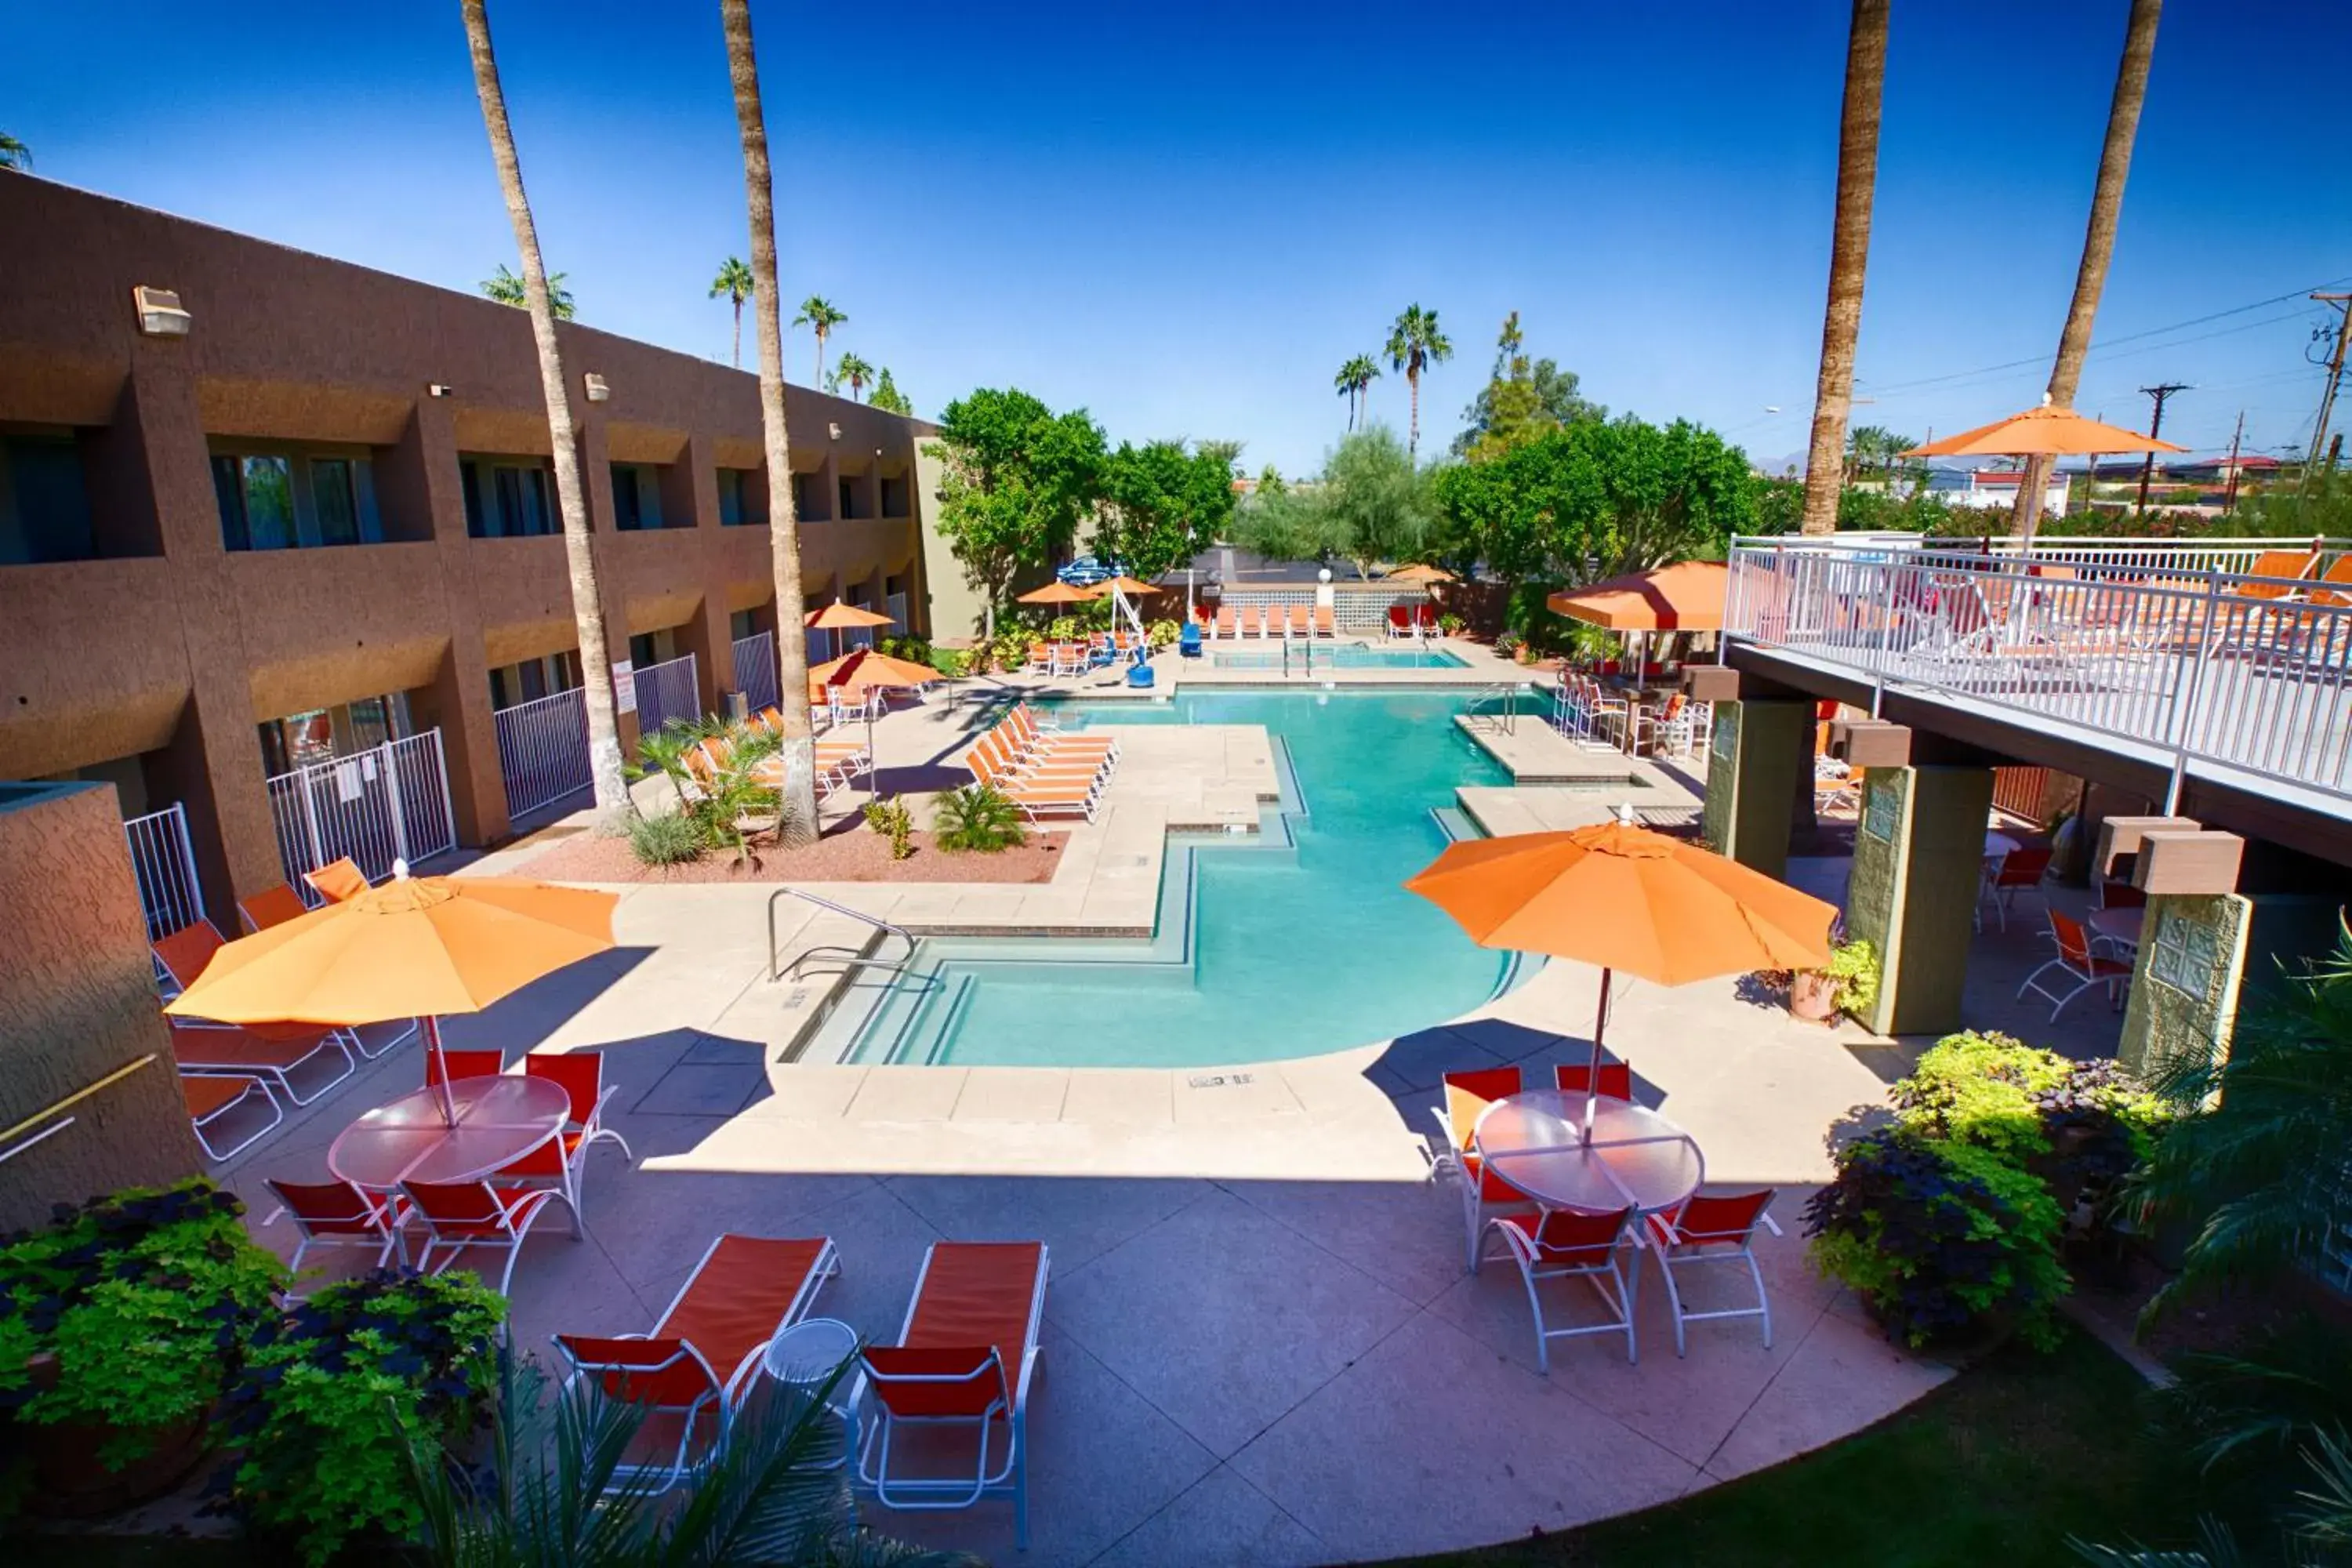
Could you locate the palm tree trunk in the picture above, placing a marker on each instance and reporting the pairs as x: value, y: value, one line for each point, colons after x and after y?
x: 783, y: 527
x: 2098, y: 241
x: 1865, y: 77
x: 1413, y: 439
x: 613, y: 807
x: 819, y: 382
x: 739, y: 334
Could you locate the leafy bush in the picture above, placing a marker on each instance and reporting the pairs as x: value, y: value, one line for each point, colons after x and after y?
x: 891, y: 819
x: 1061, y: 628
x: 978, y: 818
x: 1507, y: 643
x: 1011, y: 649
x: 2012, y: 1099
x: 1853, y: 966
x: 331, y: 1403
x: 671, y: 839
x: 1450, y: 623
x: 952, y: 662
x: 1162, y: 633
x: 914, y: 649
x: 1939, y: 1237
x: 146, y: 1300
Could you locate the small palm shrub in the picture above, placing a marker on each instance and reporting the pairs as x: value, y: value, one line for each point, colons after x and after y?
x: 979, y: 819
x: 668, y: 840
x: 891, y: 819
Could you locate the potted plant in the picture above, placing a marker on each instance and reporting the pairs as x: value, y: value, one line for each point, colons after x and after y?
x: 1509, y: 645
x: 1450, y: 624
x: 119, y: 1327
x: 1848, y: 983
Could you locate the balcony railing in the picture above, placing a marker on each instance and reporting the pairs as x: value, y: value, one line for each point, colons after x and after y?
x: 2156, y: 646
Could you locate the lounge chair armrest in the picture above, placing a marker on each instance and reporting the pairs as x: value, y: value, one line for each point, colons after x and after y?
x: 1771, y: 1224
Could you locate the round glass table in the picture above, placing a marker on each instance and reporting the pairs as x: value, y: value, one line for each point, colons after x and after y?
x: 1535, y: 1142
x: 499, y: 1120
x: 2120, y: 926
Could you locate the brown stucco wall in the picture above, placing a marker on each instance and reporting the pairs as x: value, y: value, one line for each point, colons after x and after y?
x: 106, y: 658
x: 81, y: 1003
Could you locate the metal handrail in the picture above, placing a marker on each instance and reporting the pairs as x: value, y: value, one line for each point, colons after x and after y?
x: 858, y: 957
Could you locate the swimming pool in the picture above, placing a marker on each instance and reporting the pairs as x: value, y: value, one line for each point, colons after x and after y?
x: 1336, y: 656
x: 1298, y: 941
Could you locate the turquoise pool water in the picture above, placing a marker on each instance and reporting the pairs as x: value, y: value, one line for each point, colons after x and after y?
x: 1299, y: 941
x: 1337, y: 655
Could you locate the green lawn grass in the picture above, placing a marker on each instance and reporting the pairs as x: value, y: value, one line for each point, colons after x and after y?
x: 1995, y: 1470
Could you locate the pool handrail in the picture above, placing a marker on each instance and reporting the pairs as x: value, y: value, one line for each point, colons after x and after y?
x: 852, y: 957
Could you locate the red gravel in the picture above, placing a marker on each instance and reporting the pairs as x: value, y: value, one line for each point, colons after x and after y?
x: 852, y: 856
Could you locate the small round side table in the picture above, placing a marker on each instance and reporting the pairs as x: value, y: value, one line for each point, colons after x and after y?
x: 802, y: 1356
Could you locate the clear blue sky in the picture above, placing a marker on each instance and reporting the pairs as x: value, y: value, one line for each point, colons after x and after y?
x: 1185, y: 218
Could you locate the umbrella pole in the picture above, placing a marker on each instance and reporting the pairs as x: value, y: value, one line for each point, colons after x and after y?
x: 431, y: 1027
x: 1592, y: 1067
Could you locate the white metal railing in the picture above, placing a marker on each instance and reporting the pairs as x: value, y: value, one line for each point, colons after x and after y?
x: 388, y: 803
x: 2156, y: 650
x: 544, y: 749
x: 755, y: 670
x: 165, y: 868
x: 667, y: 694
x: 896, y: 607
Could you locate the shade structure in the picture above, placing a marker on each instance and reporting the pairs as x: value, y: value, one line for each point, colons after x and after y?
x: 1057, y: 593
x: 843, y: 617
x: 1623, y: 898
x: 863, y: 670
x: 2047, y: 431
x: 1130, y: 586
x: 1687, y: 596
x: 1419, y: 573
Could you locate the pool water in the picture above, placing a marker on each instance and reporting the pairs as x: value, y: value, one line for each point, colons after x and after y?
x: 1337, y: 655
x: 1300, y: 940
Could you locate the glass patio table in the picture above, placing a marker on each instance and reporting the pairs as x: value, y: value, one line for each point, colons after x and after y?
x: 498, y: 1120
x: 1535, y: 1142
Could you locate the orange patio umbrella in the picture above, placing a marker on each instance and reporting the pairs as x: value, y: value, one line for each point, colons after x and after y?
x: 1623, y: 898
x: 838, y: 618
x: 864, y: 671
x: 2049, y: 431
x: 1419, y: 573
x: 416, y: 947
x: 1687, y: 596
x: 1057, y: 593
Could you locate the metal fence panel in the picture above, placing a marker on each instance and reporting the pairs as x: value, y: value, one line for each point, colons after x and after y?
x: 388, y: 803
x: 543, y: 750
x: 667, y: 694
x: 755, y: 670
x: 165, y: 868
x: 896, y: 607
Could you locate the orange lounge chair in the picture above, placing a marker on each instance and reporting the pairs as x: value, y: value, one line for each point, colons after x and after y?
x: 1251, y: 626
x: 273, y: 906
x: 1302, y: 623
x: 210, y: 1098
x: 1014, y: 763
x: 703, y: 1355
x: 1400, y: 621
x: 1224, y: 626
x: 1483, y: 1194
x: 1037, y: 801
x: 1028, y: 736
x: 1005, y: 770
x: 1326, y: 625
x: 963, y: 1359
x: 339, y: 882
x: 2292, y: 566
x: 220, y: 1051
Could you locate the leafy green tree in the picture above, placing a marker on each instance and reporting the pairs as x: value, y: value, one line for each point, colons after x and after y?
x: 14, y: 154
x: 1018, y: 478
x: 1414, y: 344
x: 1524, y: 397
x: 856, y: 374
x: 819, y: 316
x: 1271, y: 482
x: 507, y: 290
x: 1354, y: 382
x: 1370, y: 505
x: 1163, y: 505
x: 734, y: 280
x: 1592, y: 499
x: 887, y: 396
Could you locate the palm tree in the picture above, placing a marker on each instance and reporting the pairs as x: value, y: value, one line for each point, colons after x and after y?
x: 734, y: 280
x: 855, y: 372
x: 1415, y: 344
x: 1354, y: 381
x: 818, y: 313
x: 509, y: 289
x: 1865, y: 80
x: 14, y: 154
x: 587, y: 608
x: 2098, y: 239
x: 799, y: 748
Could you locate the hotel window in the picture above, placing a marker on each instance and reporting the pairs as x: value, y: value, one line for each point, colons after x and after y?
x: 628, y: 516
x: 522, y: 496
x: 848, y: 488
x: 893, y: 495
x: 44, y: 509
x: 514, y: 684
x: 805, y: 494
x: 739, y: 506
x: 336, y: 501
x: 256, y: 501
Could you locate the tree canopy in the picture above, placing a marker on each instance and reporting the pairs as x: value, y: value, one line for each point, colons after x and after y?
x: 506, y: 287
x: 1162, y: 504
x: 1018, y: 480
x: 1371, y: 504
x: 1521, y: 399
x: 887, y: 397
x: 1590, y: 500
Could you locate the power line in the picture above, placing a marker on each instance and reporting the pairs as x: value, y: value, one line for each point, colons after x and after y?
x: 2161, y: 392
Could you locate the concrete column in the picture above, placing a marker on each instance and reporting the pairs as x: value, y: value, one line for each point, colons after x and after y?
x: 690, y: 496
x: 1918, y: 860
x: 1760, y: 749
x: 418, y: 480
x: 217, y: 755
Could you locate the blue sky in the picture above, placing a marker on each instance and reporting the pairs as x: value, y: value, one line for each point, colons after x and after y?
x: 1185, y: 218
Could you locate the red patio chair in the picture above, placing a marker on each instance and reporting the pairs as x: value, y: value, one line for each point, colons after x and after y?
x: 1483, y: 1194
x: 582, y: 1076
x: 1712, y: 1228
x: 461, y: 1214
x: 210, y: 1098
x: 183, y: 955
x: 2078, y: 959
x: 1615, y: 1079
x: 221, y: 1051
x: 1400, y: 621
x: 487, y: 1062
x: 2120, y: 895
x: 1568, y: 1244
x: 338, y: 881
x: 1425, y: 617
x: 963, y: 1359
x: 273, y: 906
x: 703, y: 1355
x: 2021, y: 868
x: 337, y: 1214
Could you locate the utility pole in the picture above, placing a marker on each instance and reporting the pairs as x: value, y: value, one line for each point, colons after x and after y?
x: 2229, y: 501
x: 2343, y: 304
x: 2155, y: 428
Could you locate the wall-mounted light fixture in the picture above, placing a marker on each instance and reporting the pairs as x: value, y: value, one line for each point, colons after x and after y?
x: 160, y: 314
x: 439, y: 389
x: 597, y: 391
x: 836, y: 430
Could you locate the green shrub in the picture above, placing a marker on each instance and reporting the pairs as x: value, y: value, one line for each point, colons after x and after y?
x: 2012, y: 1099
x: 147, y: 1299
x: 1162, y: 633
x: 914, y: 649
x: 1507, y: 643
x: 671, y: 839
x: 1011, y: 649
x: 1853, y: 966
x: 952, y: 662
x: 891, y: 819
x: 979, y: 819
x: 1061, y: 628
x: 1450, y: 623
x: 331, y: 1403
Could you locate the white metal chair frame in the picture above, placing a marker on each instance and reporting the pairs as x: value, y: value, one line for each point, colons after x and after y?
x: 276, y: 1080
x: 1538, y: 1264
x: 1675, y: 1246
x: 2085, y: 977
x: 390, y: 1216
x: 509, y: 1229
x: 198, y: 1124
x: 1010, y: 1405
x: 1477, y: 1211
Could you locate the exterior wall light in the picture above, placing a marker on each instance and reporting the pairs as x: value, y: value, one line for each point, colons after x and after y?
x: 1323, y: 575
x: 835, y: 430
x: 597, y: 391
x: 160, y: 314
x: 439, y: 389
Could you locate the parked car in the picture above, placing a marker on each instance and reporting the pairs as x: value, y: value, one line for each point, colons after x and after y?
x: 1086, y: 572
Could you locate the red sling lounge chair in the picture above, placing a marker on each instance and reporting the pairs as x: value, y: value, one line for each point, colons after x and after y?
x: 215, y: 1050
x: 964, y: 1360
x: 703, y: 1356
x: 210, y: 1098
x: 339, y: 882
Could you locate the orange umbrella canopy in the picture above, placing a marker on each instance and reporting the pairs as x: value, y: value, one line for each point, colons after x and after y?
x: 843, y: 617
x: 414, y: 946
x: 1057, y: 593
x: 1685, y: 597
x: 1420, y: 573
x: 1128, y: 586
x: 1624, y: 898
x: 2046, y: 431
x: 862, y: 669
